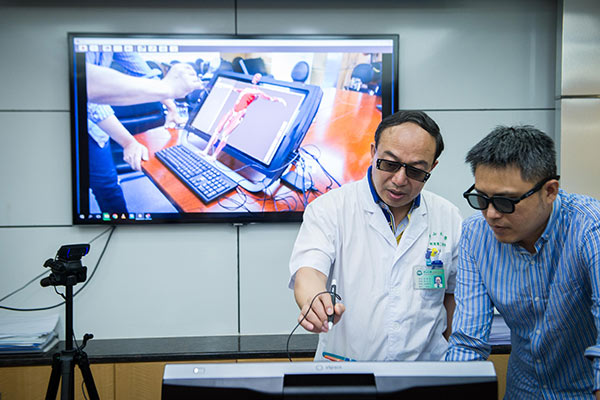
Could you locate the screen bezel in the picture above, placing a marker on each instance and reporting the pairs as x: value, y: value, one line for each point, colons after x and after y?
x: 79, y: 151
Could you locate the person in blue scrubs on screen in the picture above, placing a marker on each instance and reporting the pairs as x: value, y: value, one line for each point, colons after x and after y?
x: 110, y: 87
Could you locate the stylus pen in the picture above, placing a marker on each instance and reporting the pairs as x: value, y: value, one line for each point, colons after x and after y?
x: 335, y: 357
x: 333, y: 296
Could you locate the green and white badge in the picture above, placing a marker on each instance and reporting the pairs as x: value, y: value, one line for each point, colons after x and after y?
x: 428, y: 278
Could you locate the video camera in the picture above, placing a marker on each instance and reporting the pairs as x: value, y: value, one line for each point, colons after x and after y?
x: 66, y: 266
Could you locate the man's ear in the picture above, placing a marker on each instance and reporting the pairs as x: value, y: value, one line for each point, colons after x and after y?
x: 373, y: 150
x: 550, y: 190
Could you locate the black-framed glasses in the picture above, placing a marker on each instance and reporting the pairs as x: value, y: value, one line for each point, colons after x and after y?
x: 505, y: 205
x: 411, y: 172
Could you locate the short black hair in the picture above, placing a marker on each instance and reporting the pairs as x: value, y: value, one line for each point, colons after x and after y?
x: 521, y: 146
x: 416, y: 117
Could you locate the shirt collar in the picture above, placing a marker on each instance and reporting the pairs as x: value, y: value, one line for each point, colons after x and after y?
x: 552, y: 223
x: 551, y: 226
x: 377, y: 199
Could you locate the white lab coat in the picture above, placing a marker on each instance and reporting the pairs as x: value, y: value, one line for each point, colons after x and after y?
x: 346, y: 236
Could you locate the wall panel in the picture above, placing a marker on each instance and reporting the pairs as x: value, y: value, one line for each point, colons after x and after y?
x: 453, y: 54
x: 35, y: 69
x: 155, y: 281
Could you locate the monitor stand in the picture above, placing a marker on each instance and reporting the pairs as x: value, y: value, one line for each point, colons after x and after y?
x: 246, y: 176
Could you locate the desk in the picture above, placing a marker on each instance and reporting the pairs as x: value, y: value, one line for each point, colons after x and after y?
x: 341, y: 134
x: 208, y: 348
x: 132, y: 368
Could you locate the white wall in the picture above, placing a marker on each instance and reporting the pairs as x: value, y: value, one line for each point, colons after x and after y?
x: 471, y: 64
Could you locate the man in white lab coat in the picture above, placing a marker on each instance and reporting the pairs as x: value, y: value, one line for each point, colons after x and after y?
x: 385, y: 242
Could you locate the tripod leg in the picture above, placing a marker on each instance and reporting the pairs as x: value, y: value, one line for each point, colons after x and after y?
x: 86, y: 373
x: 67, y: 391
x: 54, y: 378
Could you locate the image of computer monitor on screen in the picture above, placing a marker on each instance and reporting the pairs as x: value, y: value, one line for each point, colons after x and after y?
x: 257, y: 121
x: 416, y: 380
x: 279, y: 121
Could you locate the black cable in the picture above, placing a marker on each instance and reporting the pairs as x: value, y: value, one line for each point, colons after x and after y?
x: 101, y: 234
x: 305, y: 193
x: 83, y: 389
x: 237, y: 204
x: 286, y: 199
x: 24, y: 286
x: 287, y: 346
x: 316, y: 158
x: 42, y: 274
x: 59, y: 293
x: 242, y: 205
x: 111, y: 229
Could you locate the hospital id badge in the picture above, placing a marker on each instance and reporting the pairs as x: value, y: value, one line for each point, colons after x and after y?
x: 426, y: 278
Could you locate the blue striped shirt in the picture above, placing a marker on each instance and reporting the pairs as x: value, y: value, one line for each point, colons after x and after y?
x: 550, y: 300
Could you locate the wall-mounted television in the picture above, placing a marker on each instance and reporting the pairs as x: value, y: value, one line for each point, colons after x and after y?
x: 232, y: 128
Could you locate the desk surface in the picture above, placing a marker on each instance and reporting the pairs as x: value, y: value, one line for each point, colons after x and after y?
x: 341, y: 134
x: 188, y: 349
x: 179, y: 349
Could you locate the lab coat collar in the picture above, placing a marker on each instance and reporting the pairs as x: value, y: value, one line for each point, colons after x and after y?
x: 377, y: 199
x: 378, y: 221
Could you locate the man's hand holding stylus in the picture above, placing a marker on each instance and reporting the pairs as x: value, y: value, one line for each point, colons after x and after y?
x: 308, y: 283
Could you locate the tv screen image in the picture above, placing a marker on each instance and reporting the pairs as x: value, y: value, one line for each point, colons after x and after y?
x: 273, y: 123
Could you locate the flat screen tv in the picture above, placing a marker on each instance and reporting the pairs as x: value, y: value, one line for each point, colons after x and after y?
x: 232, y: 128
x: 331, y: 380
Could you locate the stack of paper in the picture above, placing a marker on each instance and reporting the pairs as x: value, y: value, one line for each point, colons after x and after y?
x: 28, y: 333
x: 500, y: 332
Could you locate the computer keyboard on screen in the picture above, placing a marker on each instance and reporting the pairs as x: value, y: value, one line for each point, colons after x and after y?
x: 203, y: 178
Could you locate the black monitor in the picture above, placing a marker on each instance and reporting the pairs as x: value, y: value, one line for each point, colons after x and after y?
x: 281, y: 155
x: 267, y: 141
x: 331, y: 380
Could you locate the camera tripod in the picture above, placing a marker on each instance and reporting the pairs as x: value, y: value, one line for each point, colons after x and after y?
x: 68, y: 272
